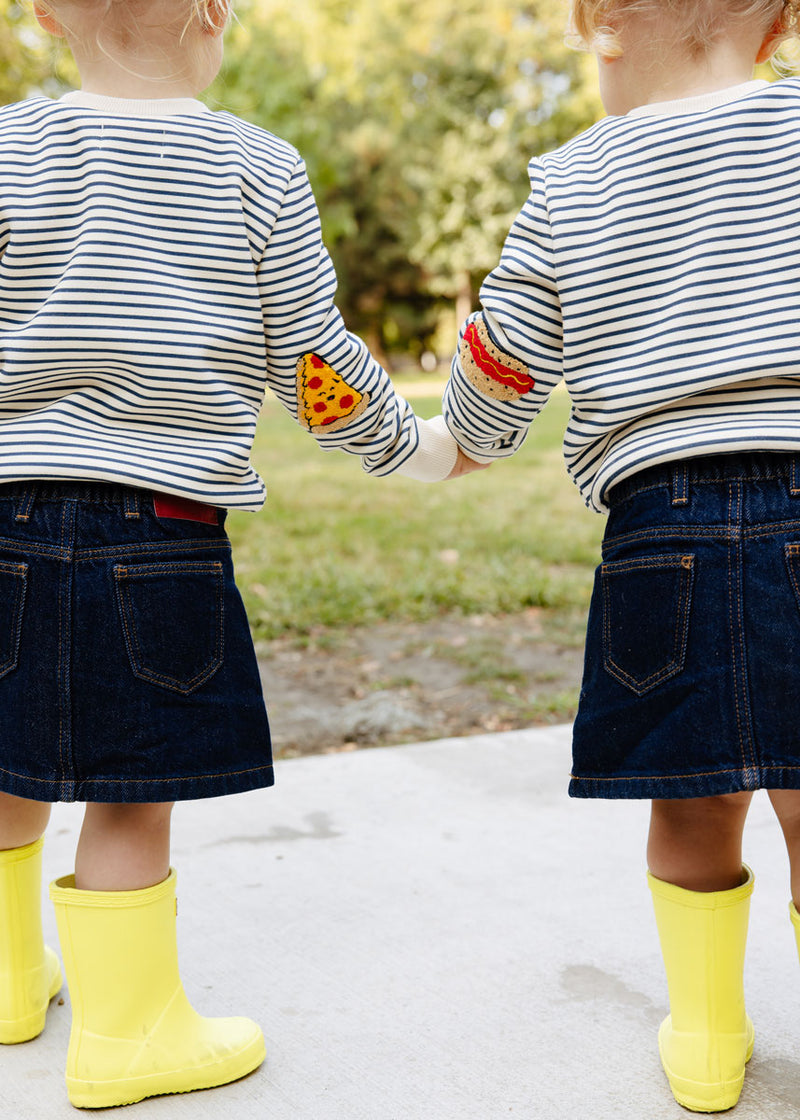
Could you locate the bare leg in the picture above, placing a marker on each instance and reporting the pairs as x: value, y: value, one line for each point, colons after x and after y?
x: 697, y: 843
x: 123, y: 847
x: 786, y: 803
x: 22, y: 821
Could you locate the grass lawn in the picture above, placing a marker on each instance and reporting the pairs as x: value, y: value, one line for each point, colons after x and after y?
x: 336, y: 548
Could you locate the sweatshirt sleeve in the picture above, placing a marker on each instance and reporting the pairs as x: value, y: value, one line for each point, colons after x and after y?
x: 324, y: 375
x: 509, y: 356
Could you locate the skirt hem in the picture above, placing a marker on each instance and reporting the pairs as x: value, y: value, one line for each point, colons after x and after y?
x: 137, y: 791
x: 684, y: 786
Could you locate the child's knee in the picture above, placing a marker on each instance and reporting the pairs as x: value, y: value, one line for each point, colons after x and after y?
x: 786, y: 803
x: 730, y: 804
x: 703, y: 810
x: 130, y: 815
x: 22, y: 821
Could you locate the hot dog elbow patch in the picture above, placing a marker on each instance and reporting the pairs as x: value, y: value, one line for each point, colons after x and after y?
x: 491, y: 370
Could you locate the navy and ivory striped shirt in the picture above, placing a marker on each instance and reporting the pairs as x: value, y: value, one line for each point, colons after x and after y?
x: 655, y: 269
x: 160, y: 266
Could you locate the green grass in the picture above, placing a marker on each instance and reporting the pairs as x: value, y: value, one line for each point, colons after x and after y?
x: 481, y: 659
x: 334, y: 547
x: 549, y: 707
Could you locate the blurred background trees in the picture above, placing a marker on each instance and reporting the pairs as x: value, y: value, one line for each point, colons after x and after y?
x: 22, y: 56
x: 416, y: 119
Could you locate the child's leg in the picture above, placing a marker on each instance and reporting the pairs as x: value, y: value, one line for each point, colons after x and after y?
x: 21, y: 821
x: 123, y: 847
x: 786, y: 803
x: 696, y: 843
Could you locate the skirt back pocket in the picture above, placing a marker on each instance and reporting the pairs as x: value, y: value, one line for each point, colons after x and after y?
x: 172, y: 620
x: 646, y: 607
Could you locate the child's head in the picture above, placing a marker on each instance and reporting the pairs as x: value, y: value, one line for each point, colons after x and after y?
x: 692, y: 26
x: 128, y: 14
x: 177, y: 36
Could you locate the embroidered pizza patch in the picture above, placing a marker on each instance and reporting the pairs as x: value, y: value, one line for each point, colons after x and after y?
x: 492, y: 372
x: 324, y: 399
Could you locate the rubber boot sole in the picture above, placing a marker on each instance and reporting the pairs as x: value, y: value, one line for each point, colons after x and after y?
x: 122, y: 1091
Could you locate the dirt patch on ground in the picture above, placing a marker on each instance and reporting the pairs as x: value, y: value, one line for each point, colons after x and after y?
x: 405, y: 682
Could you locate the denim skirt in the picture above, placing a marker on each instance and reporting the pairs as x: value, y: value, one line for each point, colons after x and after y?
x: 692, y: 677
x: 127, y: 670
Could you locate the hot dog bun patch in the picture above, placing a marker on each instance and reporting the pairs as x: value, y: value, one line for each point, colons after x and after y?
x: 325, y: 402
x: 492, y: 372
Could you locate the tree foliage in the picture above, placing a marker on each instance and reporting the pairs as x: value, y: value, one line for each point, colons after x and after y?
x: 23, y: 61
x: 416, y: 119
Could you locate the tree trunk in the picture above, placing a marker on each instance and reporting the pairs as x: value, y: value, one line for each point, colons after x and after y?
x: 463, y: 297
x: 372, y: 337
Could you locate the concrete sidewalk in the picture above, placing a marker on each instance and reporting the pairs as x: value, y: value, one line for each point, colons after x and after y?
x: 435, y: 932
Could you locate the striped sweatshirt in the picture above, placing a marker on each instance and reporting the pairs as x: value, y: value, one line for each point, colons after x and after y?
x: 161, y: 265
x: 655, y: 269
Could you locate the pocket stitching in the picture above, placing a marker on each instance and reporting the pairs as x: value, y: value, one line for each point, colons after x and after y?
x: 123, y: 573
x: 21, y: 571
x: 792, y: 550
x: 683, y: 562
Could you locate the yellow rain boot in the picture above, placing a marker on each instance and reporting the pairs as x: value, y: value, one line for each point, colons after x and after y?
x: 134, y: 1032
x: 707, y: 1038
x: 30, y: 974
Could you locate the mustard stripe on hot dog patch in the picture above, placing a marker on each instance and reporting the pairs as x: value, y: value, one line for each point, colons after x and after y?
x: 491, y: 371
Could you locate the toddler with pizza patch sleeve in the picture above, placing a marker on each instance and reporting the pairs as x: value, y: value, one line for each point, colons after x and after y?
x: 161, y: 266
x: 653, y: 273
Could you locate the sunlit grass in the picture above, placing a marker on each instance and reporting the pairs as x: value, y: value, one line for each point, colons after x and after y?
x: 334, y: 547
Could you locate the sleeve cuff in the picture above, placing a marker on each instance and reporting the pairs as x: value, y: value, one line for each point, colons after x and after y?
x: 435, y: 455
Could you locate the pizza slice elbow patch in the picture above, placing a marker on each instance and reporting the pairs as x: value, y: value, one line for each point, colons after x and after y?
x: 325, y: 402
x: 491, y: 370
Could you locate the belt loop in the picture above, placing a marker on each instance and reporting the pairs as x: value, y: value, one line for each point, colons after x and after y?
x: 680, y: 484
x: 794, y: 480
x: 131, y: 502
x: 25, y: 505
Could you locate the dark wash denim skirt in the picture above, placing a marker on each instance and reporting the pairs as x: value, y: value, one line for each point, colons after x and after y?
x: 127, y: 669
x: 692, y: 677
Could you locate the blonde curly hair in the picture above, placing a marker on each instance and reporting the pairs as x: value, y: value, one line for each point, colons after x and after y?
x: 592, y: 21
x: 205, y: 12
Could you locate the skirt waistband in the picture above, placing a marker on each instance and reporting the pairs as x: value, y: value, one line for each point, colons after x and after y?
x: 680, y: 474
x: 53, y: 490
x: 130, y: 500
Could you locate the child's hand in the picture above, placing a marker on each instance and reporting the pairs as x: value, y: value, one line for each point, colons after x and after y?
x: 465, y: 465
